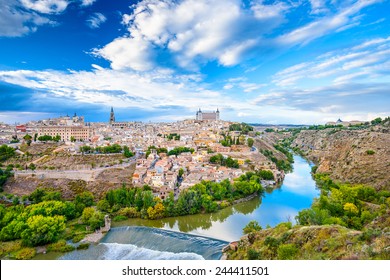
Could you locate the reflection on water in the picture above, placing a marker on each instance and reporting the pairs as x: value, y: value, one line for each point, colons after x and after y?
x: 282, y: 204
x: 164, y: 239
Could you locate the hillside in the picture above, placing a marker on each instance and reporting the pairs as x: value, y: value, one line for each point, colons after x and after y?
x: 329, y: 242
x: 354, y: 156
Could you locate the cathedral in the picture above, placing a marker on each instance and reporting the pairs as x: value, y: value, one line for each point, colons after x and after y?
x: 112, y: 116
x: 207, y: 116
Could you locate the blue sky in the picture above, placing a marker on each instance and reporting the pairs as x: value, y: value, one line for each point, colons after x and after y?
x: 258, y: 61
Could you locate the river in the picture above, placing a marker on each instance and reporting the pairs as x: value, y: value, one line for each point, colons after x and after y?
x: 202, y: 236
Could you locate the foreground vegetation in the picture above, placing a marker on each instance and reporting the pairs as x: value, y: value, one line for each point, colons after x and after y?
x: 44, y: 219
x: 345, y: 222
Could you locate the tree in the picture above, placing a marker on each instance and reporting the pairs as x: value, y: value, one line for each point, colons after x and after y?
x: 250, y: 142
x: 45, y: 138
x: 181, y: 172
x: 93, y: 218
x: 6, y: 152
x: 376, y: 121
x: 266, y: 174
x: 126, y: 152
x: 32, y: 166
x: 156, y: 212
x: 252, y: 226
x: 85, y: 198
x: 42, y: 230
x: 85, y: 149
x: 351, y: 208
x: 35, y: 137
x: 72, y: 139
x: 28, y: 139
x: 57, y: 138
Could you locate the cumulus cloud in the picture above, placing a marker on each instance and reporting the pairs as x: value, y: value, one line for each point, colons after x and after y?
x: 46, y: 6
x: 86, y: 3
x: 15, y: 22
x: 192, y: 32
x: 95, y: 20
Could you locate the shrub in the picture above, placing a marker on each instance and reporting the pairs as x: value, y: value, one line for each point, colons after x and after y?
x: 25, y: 254
x: 119, y: 218
x: 83, y: 246
x: 271, y: 242
x: 287, y: 252
x: 129, y: 212
x: 60, y: 246
x: 252, y: 226
x: 370, y: 152
x: 253, y: 254
x: 77, y: 238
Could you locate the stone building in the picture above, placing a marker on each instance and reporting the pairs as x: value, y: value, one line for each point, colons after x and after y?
x: 207, y: 116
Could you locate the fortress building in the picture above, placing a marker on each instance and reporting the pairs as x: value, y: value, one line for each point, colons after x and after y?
x: 207, y: 116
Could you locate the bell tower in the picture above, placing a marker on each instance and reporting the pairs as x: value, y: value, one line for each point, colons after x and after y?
x: 112, y: 116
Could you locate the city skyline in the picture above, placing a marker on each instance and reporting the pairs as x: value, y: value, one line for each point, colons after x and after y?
x: 295, y: 62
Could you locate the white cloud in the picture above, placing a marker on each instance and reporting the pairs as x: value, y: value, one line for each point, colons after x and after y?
x: 86, y: 3
x: 15, y: 22
x: 95, y: 20
x: 193, y: 32
x: 325, y: 25
x: 275, y: 11
x: 318, y: 6
x: 133, y: 53
x: 46, y: 6
x: 366, y: 60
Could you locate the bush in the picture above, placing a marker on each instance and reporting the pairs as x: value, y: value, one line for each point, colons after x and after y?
x: 119, y: 218
x: 252, y: 226
x: 253, y: 254
x: 129, y: 212
x: 60, y: 246
x: 287, y: 252
x: 25, y: 254
x: 83, y: 246
x: 370, y: 152
x: 77, y: 238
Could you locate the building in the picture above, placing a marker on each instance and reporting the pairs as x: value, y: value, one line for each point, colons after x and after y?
x: 345, y: 123
x: 67, y: 133
x: 112, y: 116
x: 207, y: 116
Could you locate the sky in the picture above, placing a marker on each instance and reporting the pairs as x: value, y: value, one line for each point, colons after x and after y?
x: 257, y: 61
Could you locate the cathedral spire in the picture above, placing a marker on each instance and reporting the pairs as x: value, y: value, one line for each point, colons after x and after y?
x: 112, y: 116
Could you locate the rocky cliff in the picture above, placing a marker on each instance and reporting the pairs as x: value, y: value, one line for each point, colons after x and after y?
x: 354, y: 156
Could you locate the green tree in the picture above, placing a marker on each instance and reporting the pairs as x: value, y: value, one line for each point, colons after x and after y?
x: 28, y: 139
x: 250, y: 142
x: 85, y: 198
x: 181, y: 172
x: 376, y: 121
x: 43, y: 230
x: 32, y: 166
x: 6, y: 152
x: 252, y: 226
x: 126, y: 152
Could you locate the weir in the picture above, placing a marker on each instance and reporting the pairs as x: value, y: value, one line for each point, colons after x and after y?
x: 144, y: 243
